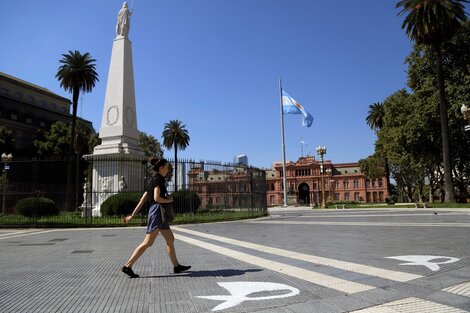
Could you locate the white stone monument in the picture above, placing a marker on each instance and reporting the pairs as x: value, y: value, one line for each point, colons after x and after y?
x: 119, y: 154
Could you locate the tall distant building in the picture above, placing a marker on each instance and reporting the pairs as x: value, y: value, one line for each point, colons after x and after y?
x: 28, y: 109
x: 241, y: 159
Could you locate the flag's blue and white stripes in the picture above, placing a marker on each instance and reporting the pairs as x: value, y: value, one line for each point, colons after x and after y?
x: 291, y: 106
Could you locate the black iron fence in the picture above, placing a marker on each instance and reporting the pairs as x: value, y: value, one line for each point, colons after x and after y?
x: 103, y: 189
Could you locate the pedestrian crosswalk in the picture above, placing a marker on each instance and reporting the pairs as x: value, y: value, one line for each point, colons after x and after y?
x: 460, y: 289
x: 368, y: 224
x: 231, y: 248
x: 411, y: 305
x: 328, y: 281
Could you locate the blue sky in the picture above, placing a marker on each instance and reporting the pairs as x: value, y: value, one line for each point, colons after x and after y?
x: 215, y: 65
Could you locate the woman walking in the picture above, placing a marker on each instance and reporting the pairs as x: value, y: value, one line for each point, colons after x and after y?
x: 155, y: 194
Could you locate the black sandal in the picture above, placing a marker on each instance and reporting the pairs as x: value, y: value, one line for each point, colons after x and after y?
x: 129, y: 271
x: 181, y: 268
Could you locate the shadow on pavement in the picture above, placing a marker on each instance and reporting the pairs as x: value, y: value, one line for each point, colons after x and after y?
x: 215, y: 273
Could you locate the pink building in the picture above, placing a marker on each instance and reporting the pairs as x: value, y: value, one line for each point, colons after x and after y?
x: 341, y: 182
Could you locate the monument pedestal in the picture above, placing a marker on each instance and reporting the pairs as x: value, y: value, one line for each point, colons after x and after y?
x: 107, y: 173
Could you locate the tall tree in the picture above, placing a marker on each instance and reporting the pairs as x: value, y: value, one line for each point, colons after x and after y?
x: 77, y: 73
x: 150, y: 145
x: 433, y: 22
x: 421, y: 79
x: 55, y: 141
x: 376, y: 115
x: 175, y: 136
x: 7, y: 140
x: 376, y: 121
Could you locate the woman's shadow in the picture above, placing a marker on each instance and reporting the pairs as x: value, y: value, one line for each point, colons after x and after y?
x: 214, y: 273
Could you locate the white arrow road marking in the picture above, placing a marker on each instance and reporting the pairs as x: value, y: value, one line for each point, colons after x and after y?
x: 239, y: 292
x: 347, y: 266
x: 424, y: 260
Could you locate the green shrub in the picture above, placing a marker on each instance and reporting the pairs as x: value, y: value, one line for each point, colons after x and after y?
x: 120, y: 204
x: 37, y: 207
x: 185, y: 201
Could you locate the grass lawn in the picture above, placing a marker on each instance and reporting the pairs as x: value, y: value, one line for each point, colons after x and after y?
x: 70, y: 219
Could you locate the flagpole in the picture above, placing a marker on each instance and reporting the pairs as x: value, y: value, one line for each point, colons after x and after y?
x: 284, y: 174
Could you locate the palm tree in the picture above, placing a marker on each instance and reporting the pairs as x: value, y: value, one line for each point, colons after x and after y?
x: 432, y: 22
x: 376, y: 116
x: 376, y: 121
x: 77, y: 73
x: 175, y: 136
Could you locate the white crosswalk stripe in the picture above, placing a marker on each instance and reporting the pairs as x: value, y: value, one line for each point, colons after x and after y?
x: 385, y: 224
x: 329, y: 281
x: 461, y: 289
x: 293, y: 271
x: 23, y: 233
x: 347, y: 266
x: 409, y: 305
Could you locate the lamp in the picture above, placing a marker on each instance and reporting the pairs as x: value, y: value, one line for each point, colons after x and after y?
x: 5, y: 159
x: 321, y: 151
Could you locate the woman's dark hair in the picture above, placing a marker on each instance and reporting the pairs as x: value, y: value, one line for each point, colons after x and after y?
x: 156, y: 164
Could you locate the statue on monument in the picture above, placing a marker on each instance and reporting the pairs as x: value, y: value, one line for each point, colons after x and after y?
x: 124, y: 21
x: 122, y: 184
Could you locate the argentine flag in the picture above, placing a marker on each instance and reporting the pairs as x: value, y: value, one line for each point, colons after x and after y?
x: 291, y: 106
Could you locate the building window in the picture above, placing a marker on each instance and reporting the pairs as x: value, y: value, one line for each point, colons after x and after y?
x: 356, y: 184
x: 29, y: 120
x: 336, y: 196
x: 373, y: 182
x: 14, y: 116
x: 30, y: 99
x: 302, y: 172
x: 346, y: 196
x: 380, y: 182
x: 357, y: 198
x: 346, y: 184
x: 367, y: 183
x: 18, y: 95
x: 4, y: 91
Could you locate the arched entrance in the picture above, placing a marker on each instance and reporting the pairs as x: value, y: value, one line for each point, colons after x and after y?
x: 304, y: 194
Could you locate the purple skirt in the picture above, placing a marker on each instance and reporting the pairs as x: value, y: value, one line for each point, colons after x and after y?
x: 155, y: 219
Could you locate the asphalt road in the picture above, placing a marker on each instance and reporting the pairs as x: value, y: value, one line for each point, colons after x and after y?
x: 296, y: 260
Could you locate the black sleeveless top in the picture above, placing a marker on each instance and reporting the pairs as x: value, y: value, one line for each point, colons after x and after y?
x: 157, y: 180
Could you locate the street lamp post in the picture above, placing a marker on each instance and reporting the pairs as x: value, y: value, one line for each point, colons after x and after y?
x: 328, y: 182
x: 321, y: 151
x: 5, y: 159
x: 332, y: 188
x: 466, y: 115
